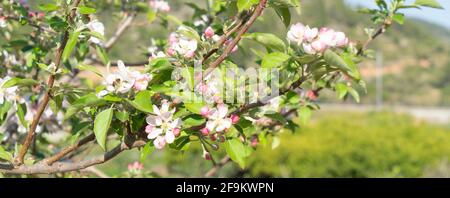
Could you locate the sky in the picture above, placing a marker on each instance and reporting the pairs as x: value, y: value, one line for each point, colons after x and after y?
x: 441, y: 17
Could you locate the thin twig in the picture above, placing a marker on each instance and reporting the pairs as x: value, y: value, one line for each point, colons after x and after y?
x: 218, y: 166
x: 258, y: 11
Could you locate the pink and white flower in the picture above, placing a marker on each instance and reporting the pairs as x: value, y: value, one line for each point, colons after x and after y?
x: 97, y: 27
x: 162, y: 128
x: 296, y: 33
x: 310, y: 33
x: 124, y: 80
x: 159, y: 5
x: 218, y: 120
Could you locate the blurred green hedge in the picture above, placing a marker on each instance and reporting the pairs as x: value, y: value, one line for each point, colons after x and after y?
x: 355, y: 145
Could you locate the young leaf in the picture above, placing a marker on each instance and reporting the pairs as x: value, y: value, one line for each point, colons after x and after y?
x: 19, y: 82
x: 5, y: 155
x: 73, y: 39
x: 101, y: 52
x: 285, y: 15
x: 101, y: 125
x: 429, y: 3
x: 305, y: 114
x: 90, y: 68
x: 49, y: 7
x: 274, y: 59
x: 246, y: 4
x: 142, y: 102
x: 148, y: 148
x: 86, y: 10
x: 236, y: 150
x: 267, y: 40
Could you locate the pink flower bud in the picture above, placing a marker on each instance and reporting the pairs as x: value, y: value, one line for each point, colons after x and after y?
x: 170, y: 51
x: 254, y: 141
x: 205, y: 132
x: 31, y: 14
x: 204, y: 111
x: 176, y: 132
x: 311, y: 95
x: 213, y: 137
x: 234, y: 119
x: 41, y: 15
x: 209, y: 32
x: 207, y: 156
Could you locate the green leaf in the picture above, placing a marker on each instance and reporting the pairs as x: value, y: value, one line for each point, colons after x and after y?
x: 194, y: 107
x: 275, y: 59
x: 354, y: 94
x: 88, y: 100
x: 123, y: 116
x: 143, y: 101
x: 5, y: 155
x: 335, y: 60
x: 19, y: 82
x: 90, y: 68
x: 148, y: 148
x: 399, y: 18
x: 193, y: 120
x: 101, y: 125
x: 246, y: 4
x: 278, y: 117
x: 21, y: 111
x: 86, y: 10
x: 57, y: 23
x: 50, y: 7
x: 101, y: 52
x: 151, y: 16
x: 285, y: 15
x: 305, y: 115
x: 236, y: 150
x: 73, y: 39
x: 429, y: 3
x: 267, y: 40
x: 341, y: 90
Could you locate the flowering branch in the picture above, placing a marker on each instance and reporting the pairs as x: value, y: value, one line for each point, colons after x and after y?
x: 46, y: 99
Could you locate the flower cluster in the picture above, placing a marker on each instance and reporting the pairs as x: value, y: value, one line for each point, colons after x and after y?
x: 315, y: 41
x: 162, y: 128
x: 124, y: 80
x: 181, y: 45
x: 159, y: 5
x: 218, y: 119
x: 135, y: 167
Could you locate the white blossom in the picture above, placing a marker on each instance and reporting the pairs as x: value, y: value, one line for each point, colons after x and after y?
x: 162, y: 128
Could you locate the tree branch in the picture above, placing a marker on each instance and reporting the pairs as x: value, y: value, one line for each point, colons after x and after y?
x: 69, y: 149
x: 218, y: 166
x: 60, y: 167
x: 46, y: 98
x: 120, y: 30
x: 380, y: 31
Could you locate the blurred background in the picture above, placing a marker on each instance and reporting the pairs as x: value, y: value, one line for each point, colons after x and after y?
x: 401, y: 128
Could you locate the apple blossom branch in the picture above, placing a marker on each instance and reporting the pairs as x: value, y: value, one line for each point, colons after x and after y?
x: 50, y: 82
